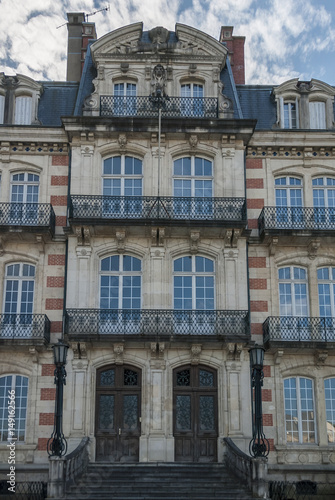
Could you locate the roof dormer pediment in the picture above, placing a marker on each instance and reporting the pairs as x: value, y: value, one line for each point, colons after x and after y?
x: 130, y: 41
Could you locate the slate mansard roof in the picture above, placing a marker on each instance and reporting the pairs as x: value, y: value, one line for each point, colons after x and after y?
x: 57, y: 100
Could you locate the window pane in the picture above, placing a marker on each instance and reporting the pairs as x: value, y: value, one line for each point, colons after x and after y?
x: 330, y: 409
x: 112, y: 166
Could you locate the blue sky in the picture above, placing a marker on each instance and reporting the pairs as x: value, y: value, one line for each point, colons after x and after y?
x: 284, y: 38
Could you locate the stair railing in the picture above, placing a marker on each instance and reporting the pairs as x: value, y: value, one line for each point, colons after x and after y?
x: 63, y: 471
x: 252, y: 471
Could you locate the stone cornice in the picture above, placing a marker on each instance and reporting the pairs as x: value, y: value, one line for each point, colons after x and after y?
x: 291, y: 152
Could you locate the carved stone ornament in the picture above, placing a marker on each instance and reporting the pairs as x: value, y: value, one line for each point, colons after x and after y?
x: 195, y: 353
x: 159, y: 35
x: 118, y: 351
x: 193, y: 140
x: 313, y: 248
x: 122, y: 140
x: 158, y: 82
x: 194, y: 241
x: 120, y: 240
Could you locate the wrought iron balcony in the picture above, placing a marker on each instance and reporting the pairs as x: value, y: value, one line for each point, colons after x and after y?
x: 273, y: 219
x: 27, y: 328
x: 146, y: 107
x: 100, y: 324
x: 163, y: 209
x: 301, y: 330
x: 35, y: 216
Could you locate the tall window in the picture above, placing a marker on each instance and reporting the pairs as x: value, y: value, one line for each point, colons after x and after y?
x: 193, y: 178
x: 290, y: 114
x: 317, y: 114
x: 18, y: 384
x: 288, y: 191
x: 23, y: 109
x: 120, y: 282
x: 125, y: 99
x: 326, y: 289
x: 330, y: 408
x: 120, y: 294
x: 299, y: 410
x: 19, y: 293
x: 24, y: 198
x: 324, y: 200
x: 193, y: 283
x: 192, y: 103
x: 122, y: 177
x: 293, y: 304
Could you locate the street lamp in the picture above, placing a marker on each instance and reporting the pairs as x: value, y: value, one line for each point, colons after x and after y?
x: 259, y: 445
x: 57, y: 445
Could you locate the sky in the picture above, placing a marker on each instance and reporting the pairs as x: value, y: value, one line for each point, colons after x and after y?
x: 284, y: 38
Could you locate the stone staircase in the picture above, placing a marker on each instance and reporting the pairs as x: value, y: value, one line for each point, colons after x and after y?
x: 158, y: 481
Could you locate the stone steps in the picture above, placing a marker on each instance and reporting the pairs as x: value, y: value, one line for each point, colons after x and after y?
x: 157, y: 481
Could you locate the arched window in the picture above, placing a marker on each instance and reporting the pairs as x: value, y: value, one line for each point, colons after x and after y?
x: 17, y: 385
x: 125, y: 99
x: 24, y: 198
x: 330, y: 408
x: 326, y: 289
x: 122, y: 186
x: 289, y: 200
x: 324, y: 200
x: 120, y: 282
x: 299, y: 410
x: 293, y: 303
x: 19, y: 293
x: 192, y: 102
x: 193, y: 283
x: 120, y: 294
x: 192, y: 187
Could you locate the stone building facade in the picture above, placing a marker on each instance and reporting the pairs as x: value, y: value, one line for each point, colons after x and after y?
x: 189, y: 216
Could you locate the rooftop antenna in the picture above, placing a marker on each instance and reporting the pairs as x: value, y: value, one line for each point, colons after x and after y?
x: 96, y: 11
x: 87, y: 15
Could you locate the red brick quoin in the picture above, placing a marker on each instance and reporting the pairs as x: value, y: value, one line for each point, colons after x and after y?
x: 258, y: 284
x: 56, y: 260
x: 46, y: 419
x: 60, y: 160
x: 48, y: 394
x: 254, y: 163
x: 48, y: 370
x: 53, y: 304
x: 257, y: 262
x: 255, y: 184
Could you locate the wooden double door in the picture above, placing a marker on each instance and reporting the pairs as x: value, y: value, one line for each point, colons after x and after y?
x: 195, y: 414
x: 118, y: 407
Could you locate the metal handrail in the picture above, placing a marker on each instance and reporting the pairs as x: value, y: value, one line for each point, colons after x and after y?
x: 146, y: 107
x: 24, y: 327
x: 299, y: 329
x: 296, y: 218
x: 97, y: 323
x: 28, y: 214
x: 163, y: 208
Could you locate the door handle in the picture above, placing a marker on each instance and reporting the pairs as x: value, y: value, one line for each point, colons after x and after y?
x: 119, y: 431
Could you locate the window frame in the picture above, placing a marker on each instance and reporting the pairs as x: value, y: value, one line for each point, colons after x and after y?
x: 23, y: 112
x: 292, y: 281
x: 330, y: 409
x: 20, y: 278
x: 194, y: 274
x: 122, y: 176
x: 299, y: 409
x: 193, y: 177
x: 18, y: 408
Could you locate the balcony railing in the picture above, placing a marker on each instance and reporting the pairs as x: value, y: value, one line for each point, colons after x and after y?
x: 301, y: 329
x: 147, y: 107
x: 157, y: 323
x: 296, y: 218
x: 148, y: 209
x: 35, y: 216
x: 25, y: 327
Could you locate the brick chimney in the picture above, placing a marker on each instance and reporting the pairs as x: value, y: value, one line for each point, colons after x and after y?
x: 235, y: 46
x: 79, y: 33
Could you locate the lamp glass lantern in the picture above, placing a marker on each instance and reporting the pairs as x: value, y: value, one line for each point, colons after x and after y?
x: 60, y: 353
x: 257, y: 357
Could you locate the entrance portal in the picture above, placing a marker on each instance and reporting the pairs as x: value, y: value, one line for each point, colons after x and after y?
x: 195, y: 414
x: 117, y: 419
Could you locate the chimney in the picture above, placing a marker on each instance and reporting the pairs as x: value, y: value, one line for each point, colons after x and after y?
x: 79, y: 33
x: 235, y: 46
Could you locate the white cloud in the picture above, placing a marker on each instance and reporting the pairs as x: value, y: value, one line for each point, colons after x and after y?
x: 279, y: 33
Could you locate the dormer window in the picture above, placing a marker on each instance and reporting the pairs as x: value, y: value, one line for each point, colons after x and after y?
x: 317, y: 115
x: 125, y: 98
x: 23, y: 108
x: 290, y: 114
x: 305, y: 105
